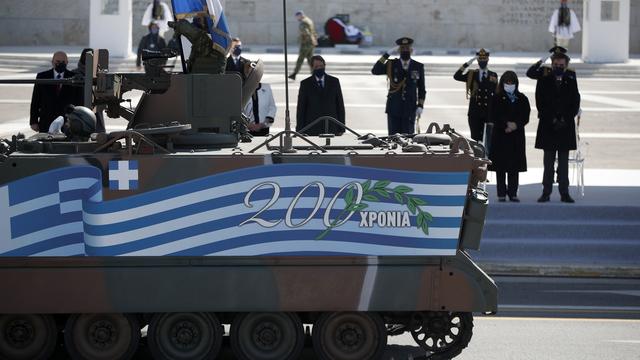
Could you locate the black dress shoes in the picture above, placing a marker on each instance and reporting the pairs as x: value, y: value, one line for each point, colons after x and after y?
x: 514, y: 199
x: 502, y: 199
x: 567, y: 199
x: 543, y: 198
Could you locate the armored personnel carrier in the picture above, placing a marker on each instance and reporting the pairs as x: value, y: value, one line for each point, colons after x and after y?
x: 182, y: 223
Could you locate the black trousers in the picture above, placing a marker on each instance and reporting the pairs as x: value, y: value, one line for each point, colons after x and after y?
x: 401, y: 125
x: 476, y: 125
x: 512, y: 179
x: 563, y: 171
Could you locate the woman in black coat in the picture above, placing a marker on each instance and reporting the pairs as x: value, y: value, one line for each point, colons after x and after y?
x: 509, y: 114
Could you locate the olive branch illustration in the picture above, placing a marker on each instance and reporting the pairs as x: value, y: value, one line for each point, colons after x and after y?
x: 375, y: 193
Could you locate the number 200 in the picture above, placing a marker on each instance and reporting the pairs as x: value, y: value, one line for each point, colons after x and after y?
x: 288, y: 217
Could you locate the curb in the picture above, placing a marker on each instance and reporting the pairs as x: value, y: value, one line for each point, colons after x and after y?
x: 544, y: 270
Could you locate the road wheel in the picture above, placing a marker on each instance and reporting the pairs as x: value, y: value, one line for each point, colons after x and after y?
x: 191, y: 336
x: 349, y: 336
x: 267, y: 336
x: 25, y: 336
x: 102, y: 336
x: 442, y: 334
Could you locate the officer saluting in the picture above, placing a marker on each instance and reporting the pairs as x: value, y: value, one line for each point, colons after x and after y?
x: 481, y: 86
x: 558, y: 103
x: 405, y: 99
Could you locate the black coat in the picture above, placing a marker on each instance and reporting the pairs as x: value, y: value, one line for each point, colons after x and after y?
x: 232, y: 68
x: 508, y: 151
x: 555, y: 102
x: 481, y: 92
x: 314, y: 102
x: 46, y: 103
x: 149, y: 42
x: 406, y: 88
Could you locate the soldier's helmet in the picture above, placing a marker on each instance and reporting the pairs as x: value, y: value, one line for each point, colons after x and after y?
x: 82, y: 121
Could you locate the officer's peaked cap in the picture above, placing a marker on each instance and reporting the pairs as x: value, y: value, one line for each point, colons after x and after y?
x: 404, y: 41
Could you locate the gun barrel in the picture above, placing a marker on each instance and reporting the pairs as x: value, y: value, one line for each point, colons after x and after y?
x: 72, y: 81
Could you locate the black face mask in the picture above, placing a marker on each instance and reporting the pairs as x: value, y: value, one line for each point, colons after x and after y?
x: 60, y: 67
x: 558, y: 71
x: 483, y: 64
x: 405, y: 55
x: 319, y: 73
x: 237, y: 51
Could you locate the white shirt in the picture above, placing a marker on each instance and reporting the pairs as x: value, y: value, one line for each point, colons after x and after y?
x: 564, y: 32
x: 57, y: 75
x: 405, y: 64
x: 482, y: 73
x: 321, y: 80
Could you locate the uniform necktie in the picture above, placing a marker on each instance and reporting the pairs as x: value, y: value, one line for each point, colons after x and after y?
x: 484, y: 76
x: 256, y: 108
x: 320, y: 84
x: 58, y: 86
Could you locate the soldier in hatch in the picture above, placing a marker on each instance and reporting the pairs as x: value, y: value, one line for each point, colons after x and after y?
x: 204, y: 57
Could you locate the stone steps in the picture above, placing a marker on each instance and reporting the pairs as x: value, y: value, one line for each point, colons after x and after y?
x: 561, y: 239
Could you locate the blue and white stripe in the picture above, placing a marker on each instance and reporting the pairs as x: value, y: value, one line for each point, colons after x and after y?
x: 42, y: 214
x: 201, y: 217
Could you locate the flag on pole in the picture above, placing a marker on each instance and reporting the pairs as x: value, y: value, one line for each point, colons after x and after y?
x: 212, y: 12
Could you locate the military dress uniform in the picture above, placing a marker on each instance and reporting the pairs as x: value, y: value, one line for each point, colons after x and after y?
x: 406, y: 90
x: 481, y: 88
x: 558, y: 103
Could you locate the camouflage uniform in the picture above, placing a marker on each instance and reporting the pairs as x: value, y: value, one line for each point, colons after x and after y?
x: 308, y: 41
x: 204, y: 58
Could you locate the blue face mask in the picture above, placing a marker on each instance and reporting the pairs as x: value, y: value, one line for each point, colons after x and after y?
x: 154, y: 31
x: 319, y: 73
x: 237, y: 50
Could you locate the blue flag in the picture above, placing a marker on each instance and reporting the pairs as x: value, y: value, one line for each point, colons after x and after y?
x: 212, y: 11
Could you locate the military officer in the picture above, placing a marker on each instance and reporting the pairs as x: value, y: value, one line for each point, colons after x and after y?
x: 558, y: 103
x: 308, y: 39
x: 481, y: 86
x: 406, y: 96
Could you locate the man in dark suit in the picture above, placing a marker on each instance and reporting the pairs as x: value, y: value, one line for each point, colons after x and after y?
x: 320, y: 95
x: 235, y: 62
x: 49, y: 101
x: 558, y: 103
x: 406, y: 87
x: 481, y: 87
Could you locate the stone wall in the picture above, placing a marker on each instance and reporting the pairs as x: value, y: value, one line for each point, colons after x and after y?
x: 44, y: 22
x: 634, y: 41
x: 503, y: 25
x: 513, y: 25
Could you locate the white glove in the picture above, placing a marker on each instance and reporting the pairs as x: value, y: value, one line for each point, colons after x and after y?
x: 56, y: 126
x: 393, y: 50
x: 470, y: 61
x: 419, y: 112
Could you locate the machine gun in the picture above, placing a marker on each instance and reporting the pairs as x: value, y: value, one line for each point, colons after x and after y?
x: 207, y: 107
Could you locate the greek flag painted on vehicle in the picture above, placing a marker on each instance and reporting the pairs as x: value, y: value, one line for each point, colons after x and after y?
x: 283, y: 209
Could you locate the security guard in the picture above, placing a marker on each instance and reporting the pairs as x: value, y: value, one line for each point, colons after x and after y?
x: 481, y: 86
x: 406, y: 96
